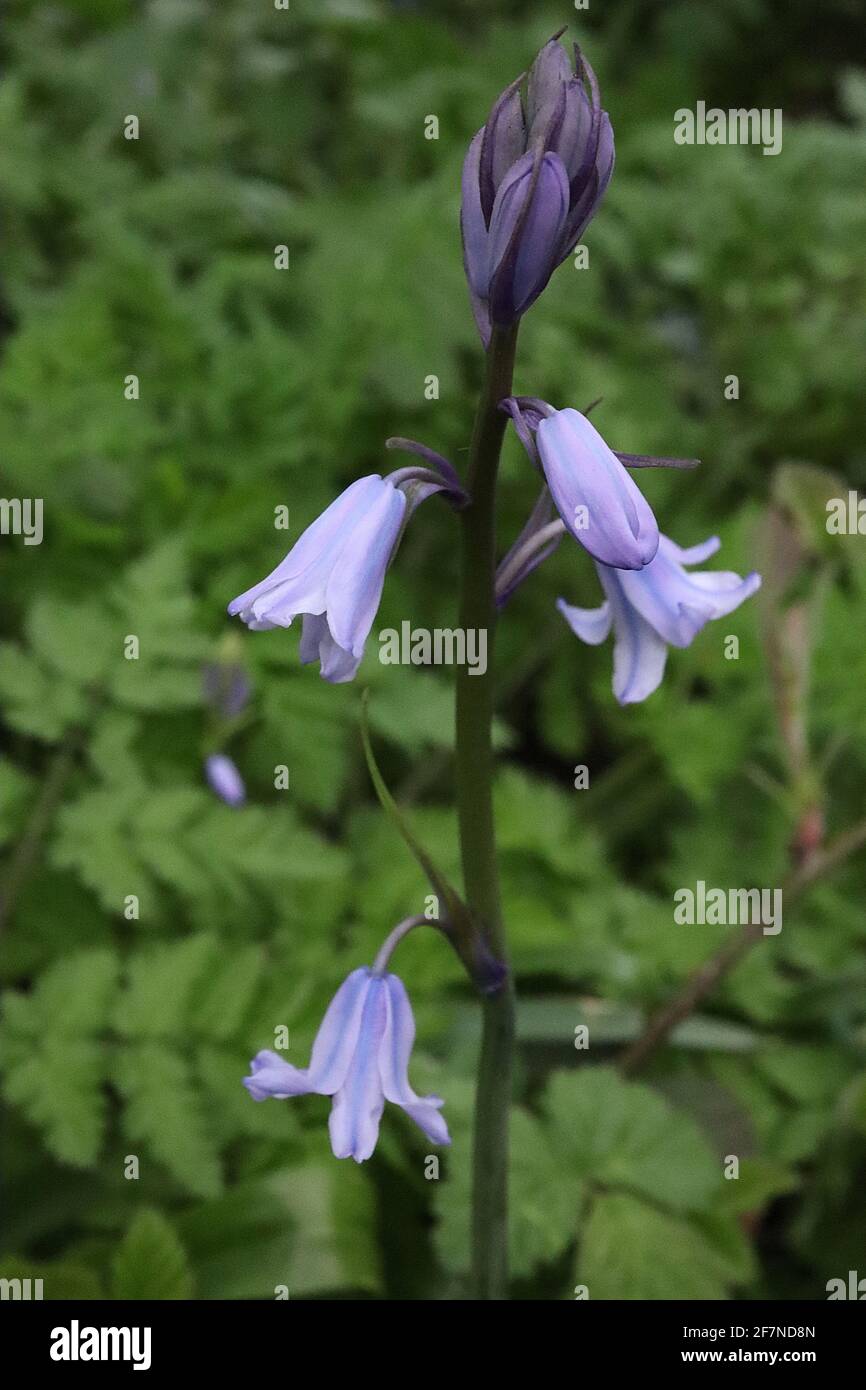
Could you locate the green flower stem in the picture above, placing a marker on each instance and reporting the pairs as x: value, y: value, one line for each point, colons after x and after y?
x: 474, y: 760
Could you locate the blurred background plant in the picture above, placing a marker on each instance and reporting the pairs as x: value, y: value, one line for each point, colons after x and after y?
x: 152, y: 937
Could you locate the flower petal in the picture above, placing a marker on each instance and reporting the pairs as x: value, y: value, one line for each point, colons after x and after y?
x: 337, y: 1037
x: 678, y: 603
x: 576, y: 127
x: 599, y: 502
x: 692, y: 554
x: 394, y: 1054
x: 525, y: 230
x: 591, y: 625
x: 355, y: 584
x: 317, y: 644
x: 358, y: 1105
x: 639, y: 654
x: 548, y: 73
x: 272, y: 1077
x: 473, y: 227
x: 297, y: 585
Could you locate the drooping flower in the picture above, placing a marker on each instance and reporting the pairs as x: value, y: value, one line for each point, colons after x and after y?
x: 532, y: 179
x: 360, y: 1057
x: 333, y: 576
x: 651, y: 609
x: 223, y: 777
x: 601, y: 505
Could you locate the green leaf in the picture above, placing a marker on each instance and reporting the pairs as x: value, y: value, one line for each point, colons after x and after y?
x: 59, y: 1087
x: 164, y: 1111
x: 160, y: 982
x: 807, y: 1075
x: 151, y: 1262
x: 227, y: 994
x: 73, y: 997
x: 544, y: 1192
x: 631, y: 1250
x: 622, y: 1134
x: 758, y: 1182
x: 90, y: 839
x: 34, y: 701
x: 77, y: 641
x: 309, y: 1229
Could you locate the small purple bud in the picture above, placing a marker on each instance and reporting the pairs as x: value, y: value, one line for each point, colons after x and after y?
x: 224, y: 778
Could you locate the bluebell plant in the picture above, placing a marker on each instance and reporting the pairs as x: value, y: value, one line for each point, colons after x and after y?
x: 534, y: 177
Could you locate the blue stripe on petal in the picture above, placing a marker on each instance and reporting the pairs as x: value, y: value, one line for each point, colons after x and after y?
x: 358, y: 1105
x: 334, y: 1047
x: 639, y: 654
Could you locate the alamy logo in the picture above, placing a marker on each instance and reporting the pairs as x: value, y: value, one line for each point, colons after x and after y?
x: 734, y: 127
x: 854, y: 1288
x: 22, y: 1290
x: 76, y: 1343
x: 439, y: 646
x: 846, y: 516
x: 22, y: 516
x: 718, y: 907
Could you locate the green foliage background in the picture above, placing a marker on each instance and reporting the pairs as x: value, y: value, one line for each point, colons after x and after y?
x: 262, y: 388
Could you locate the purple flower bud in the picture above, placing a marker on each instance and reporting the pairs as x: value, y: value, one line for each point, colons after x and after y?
x: 656, y: 607
x: 532, y: 179
x: 594, y: 494
x: 360, y: 1057
x: 224, y: 779
x: 333, y: 576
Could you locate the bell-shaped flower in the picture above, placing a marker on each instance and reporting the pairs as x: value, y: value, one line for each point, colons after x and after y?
x: 360, y: 1057
x: 333, y: 576
x: 532, y: 179
x: 598, y: 501
x: 224, y: 778
x: 651, y: 609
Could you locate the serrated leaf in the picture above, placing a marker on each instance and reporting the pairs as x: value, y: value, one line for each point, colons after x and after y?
x: 544, y: 1193
x: 59, y: 1087
x: 76, y: 993
x: 76, y: 640
x: 151, y: 1262
x: 631, y: 1250
x: 624, y: 1135
x: 226, y: 994
x: 73, y: 997
x: 34, y: 701
x: 164, y: 1111
x: 160, y: 983
x: 90, y: 840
